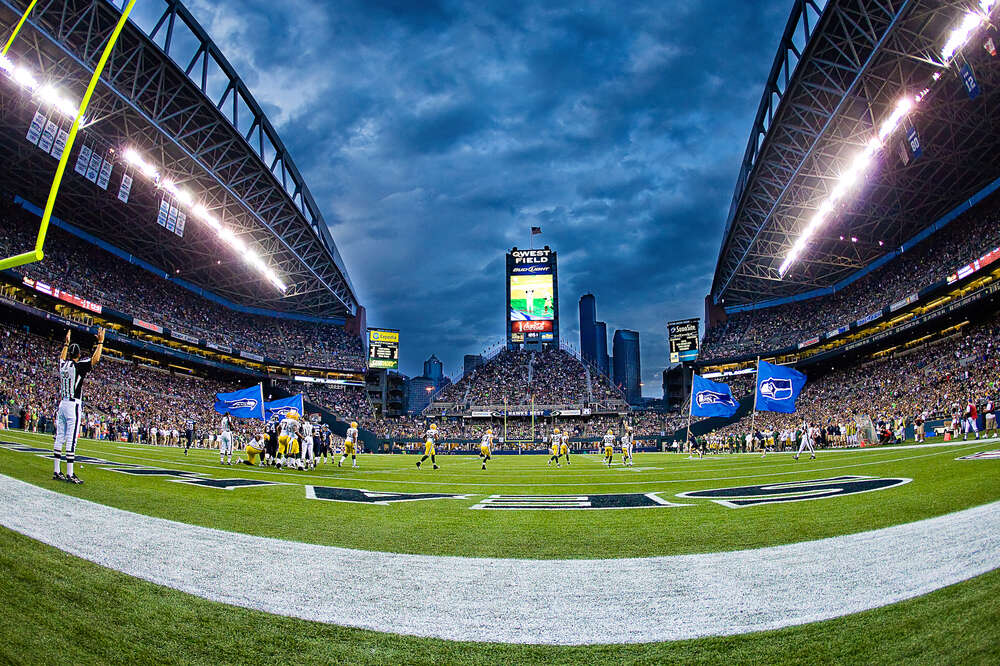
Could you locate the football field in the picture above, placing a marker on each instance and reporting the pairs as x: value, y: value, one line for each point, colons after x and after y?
x: 676, y: 552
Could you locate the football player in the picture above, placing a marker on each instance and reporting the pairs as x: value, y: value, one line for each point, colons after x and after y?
x: 255, y: 448
x: 564, y: 445
x: 485, y: 445
x: 289, y: 428
x: 351, y: 446
x: 190, y: 435
x: 226, y: 441
x: 609, y: 447
x: 308, y: 459
x: 554, y: 451
x: 430, y: 438
x: 627, y: 446
x: 324, y: 443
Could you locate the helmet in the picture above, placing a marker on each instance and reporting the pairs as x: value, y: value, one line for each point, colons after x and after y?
x: 610, y: 431
x: 292, y: 414
x: 556, y: 430
x: 489, y: 431
x: 354, y: 424
x: 434, y: 426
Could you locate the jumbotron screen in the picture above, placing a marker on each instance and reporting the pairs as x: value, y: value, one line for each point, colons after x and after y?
x: 533, y: 295
x: 383, y: 348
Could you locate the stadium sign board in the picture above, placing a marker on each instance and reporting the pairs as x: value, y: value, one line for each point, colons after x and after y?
x: 532, y: 296
x: 383, y: 348
x: 682, y: 337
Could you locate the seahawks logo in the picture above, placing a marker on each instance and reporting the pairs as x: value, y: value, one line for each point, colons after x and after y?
x: 794, y: 491
x: 776, y: 388
x: 714, y: 398
x: 242, y: 403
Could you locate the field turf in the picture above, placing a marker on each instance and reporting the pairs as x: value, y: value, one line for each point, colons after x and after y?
x: 940, y: 484
x: 68, y: 610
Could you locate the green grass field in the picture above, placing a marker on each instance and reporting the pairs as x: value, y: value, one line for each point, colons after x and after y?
x: 940, y: 485
x: 62, y: 609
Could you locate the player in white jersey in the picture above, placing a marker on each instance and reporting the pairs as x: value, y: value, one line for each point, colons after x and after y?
x: 430, y: 440
x: 486, y: 446
x: 564, y: 444
x: 226, y: 440
x: 990, y: 414
x: 609, y: 447
x: 807, y: 441
x: 627, y: 444
x: 351, y: 446
x: 308, y: 459
x: 529, y: 301
x: 72, y: 371
x: 554, y: 449
x: 289, y: 429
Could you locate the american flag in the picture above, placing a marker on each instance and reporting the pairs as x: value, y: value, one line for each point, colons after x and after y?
x: 536, y: 230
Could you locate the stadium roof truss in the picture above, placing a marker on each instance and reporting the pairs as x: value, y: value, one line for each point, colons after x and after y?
x: 169, y: 93
x: 839, y: 72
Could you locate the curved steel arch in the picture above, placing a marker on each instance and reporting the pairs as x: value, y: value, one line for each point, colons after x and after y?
x: 860, y: 55
x: 167, y: 108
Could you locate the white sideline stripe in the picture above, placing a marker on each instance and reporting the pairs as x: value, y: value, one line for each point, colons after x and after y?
x: 515, y: 601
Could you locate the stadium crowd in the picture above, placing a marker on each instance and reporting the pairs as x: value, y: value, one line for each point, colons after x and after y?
x: 89, y: 271
x: 934, y: 258
x: 549, y: 377
x: 124, y: 400
x: 934, y: 381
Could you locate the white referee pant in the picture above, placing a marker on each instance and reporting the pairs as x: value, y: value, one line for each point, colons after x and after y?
x: 226, y: 444
x: 306, y: 452
x: 971, y: 425
x: 806, y: 444
x: 68, y: 420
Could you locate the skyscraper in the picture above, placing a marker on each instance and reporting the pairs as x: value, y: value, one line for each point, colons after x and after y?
x: 627, y: 371
x: 601, y: 334
x: 588, y: 342
x: 434, y: 370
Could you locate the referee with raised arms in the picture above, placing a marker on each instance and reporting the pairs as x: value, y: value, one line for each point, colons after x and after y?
x: 72, y: 371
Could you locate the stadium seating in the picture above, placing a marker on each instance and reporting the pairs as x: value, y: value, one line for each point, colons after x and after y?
x: 550, y: 377
x: 934, y: 258
x: 95, y: 274
x: 124, y: 399
x: 933, y: 381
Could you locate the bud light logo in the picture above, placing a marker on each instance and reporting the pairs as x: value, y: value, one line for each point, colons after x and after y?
x: 714, y: 398
x: 242, y: 403
x: 532, y: 270
x: 776, y: 388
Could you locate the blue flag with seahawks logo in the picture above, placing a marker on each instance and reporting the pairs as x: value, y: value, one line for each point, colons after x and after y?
x: 778, y: 387
x: 282, y: 406
x: 710, y: 398
x: 247, y: 403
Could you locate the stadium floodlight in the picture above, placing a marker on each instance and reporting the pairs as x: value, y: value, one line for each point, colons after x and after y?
x: 960, y: 35
x: 200, y: 212
x: 25, y: 78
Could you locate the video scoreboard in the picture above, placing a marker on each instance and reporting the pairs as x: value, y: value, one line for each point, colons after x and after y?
x: 682, y: 336
x: 383, y: 348
x: 532, y: 296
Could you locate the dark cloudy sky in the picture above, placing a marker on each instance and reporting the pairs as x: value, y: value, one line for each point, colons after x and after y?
x: 434, y: 134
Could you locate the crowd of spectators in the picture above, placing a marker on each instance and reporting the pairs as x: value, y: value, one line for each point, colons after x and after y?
x: 347, y: 403
x: 122, y: 399
x: 547, y: 377
x: 933, y: 381
x: 934, y: 258
x: 89, y: 271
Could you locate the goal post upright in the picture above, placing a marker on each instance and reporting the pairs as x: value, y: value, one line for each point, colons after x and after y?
x: 43, y: 228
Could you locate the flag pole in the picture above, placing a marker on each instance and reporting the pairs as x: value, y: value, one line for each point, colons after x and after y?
x: 687, y: 431
x: 753, y: 416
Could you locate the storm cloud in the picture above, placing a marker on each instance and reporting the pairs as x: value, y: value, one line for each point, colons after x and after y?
x: 435, y: 134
